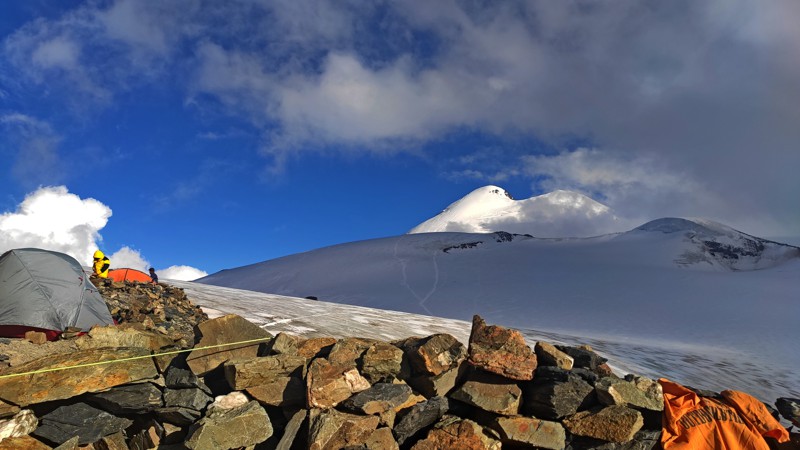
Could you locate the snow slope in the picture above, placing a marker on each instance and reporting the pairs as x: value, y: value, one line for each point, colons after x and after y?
x: 676, y: 287
x: 697, y: 365
x: 557, y: 214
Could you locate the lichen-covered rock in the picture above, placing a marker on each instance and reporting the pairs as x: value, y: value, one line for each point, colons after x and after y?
x: 548, y: 355
x: 436, y: 354
x: 23, y: 443
x: 286, y: 392
x: 490, y: 393
x: 378, y: 399
x: 500, y: 350
x: 316, y: 347
x: 218, y: 333
x: 283, y: 344
x: 331, y: 429
x: 160, y: 308
x: 612, y: 423
x: 348, y: 351
x: 329, y: 384
x: 615, y: 391
x: 584, y: 357
x: 224, y: 428
x: 458, y: 434
x: 383, y: 361
x: 61, y: 384
x: 530, y: 431
x: 242, y: 374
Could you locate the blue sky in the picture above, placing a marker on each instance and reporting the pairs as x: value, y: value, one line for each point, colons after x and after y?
x: 225, y: 133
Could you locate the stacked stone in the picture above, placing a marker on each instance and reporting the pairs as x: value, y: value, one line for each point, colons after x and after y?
x: 284, y: 392
x: 157, y: 307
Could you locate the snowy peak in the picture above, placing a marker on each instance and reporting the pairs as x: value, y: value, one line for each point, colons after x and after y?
x: 556, y: 214
x: 480, y: 202
x: 707, y: 242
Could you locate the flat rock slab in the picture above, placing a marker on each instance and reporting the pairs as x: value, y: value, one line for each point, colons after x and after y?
x: 242, y: 374
x: 61, y: 384
x: 218, y: 333
x: 125, y: 335
x: 87, y: 422
x: 491, y: 393
x: 612, y: 423
x: 129, y: 399
x: 614, y: 391
x: 533, y: 432
x: 286, y: 392
x: 242, y: 426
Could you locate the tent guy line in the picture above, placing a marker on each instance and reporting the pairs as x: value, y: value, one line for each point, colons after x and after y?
x: 132, y: 358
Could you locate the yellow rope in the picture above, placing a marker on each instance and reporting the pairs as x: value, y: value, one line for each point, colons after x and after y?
x: 132, y: 358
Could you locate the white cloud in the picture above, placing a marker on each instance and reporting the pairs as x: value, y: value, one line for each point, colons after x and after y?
x: 57, y: 53
x: 352, y: 103
x: 181, y: 273
x: 127, y: 257
x: 52, y: 218
x: 641, y: 187
x: 702, y: 85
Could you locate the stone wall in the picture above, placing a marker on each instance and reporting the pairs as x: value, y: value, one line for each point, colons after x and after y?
x: 285, y: 392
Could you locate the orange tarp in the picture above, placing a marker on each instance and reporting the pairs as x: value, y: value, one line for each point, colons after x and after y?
x: 733, y: 422
x: 129, y: 275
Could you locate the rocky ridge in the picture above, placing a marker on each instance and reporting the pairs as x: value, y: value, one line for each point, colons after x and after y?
x: 286, y: 392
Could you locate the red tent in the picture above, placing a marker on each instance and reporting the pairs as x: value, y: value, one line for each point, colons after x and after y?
x: 129, y: 275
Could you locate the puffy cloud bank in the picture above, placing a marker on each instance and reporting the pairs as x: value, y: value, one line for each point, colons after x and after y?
x: 52, y: 218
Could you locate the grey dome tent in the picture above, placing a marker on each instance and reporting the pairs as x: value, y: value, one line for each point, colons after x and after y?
x: 47, y: 291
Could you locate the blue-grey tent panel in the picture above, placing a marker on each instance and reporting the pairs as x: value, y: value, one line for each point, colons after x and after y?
x: 49, y: 290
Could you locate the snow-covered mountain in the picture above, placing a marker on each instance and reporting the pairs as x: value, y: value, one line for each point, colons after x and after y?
x: 556, y: 214
x: 671, y: 283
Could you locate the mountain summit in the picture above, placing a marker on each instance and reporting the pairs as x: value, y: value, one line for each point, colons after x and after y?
x: 556, y: 214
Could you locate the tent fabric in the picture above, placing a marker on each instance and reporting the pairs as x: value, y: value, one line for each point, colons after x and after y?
x: 733, y: 421
x: 47, y: 290
x: 129, y: 275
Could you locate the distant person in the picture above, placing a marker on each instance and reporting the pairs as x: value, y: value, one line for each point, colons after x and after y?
x: 101, y: 264
x: 153, y: 275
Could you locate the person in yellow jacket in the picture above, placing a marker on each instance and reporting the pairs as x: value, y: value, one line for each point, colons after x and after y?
x: 101, y: 264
